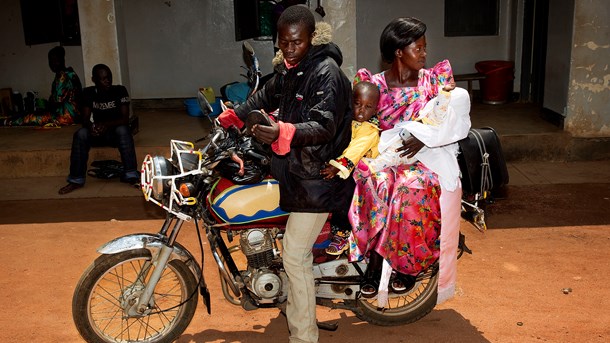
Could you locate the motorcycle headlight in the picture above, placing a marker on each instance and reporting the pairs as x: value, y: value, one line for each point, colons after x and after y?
x: 160, y: 167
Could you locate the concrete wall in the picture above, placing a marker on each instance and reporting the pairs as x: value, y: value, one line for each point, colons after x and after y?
x: 588, y: 112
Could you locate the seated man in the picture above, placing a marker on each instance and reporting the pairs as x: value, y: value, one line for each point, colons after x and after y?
x: 105, y: 123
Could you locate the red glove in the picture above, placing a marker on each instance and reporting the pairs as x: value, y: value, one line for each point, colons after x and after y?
x: 228, y: 118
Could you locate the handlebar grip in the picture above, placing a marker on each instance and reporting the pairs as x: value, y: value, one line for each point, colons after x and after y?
x: 264, y: 160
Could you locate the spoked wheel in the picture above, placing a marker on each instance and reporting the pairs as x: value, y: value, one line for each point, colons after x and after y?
x: 403, y: 308
x: 112, y: 284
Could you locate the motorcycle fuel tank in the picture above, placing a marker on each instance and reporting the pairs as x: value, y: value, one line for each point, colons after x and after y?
x: 244, y: 204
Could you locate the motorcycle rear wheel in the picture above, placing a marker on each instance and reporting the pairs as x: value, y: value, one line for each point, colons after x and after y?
x: 404, y: 308
x: 111, y: 280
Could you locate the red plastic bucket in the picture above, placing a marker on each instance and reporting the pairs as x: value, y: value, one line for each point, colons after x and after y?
x: 497, y: 85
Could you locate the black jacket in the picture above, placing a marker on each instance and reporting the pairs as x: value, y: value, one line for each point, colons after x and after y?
x: 316, y: 97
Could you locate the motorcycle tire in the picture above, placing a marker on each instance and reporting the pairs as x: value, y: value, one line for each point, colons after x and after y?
x: 106, y: 287
x: 404, y: 308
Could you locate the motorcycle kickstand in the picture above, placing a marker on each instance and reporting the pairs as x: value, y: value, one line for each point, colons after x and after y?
x: 326, y: 326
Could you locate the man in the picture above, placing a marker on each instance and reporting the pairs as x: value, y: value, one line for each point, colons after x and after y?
x: 313, y: 99
x: 105, y: 123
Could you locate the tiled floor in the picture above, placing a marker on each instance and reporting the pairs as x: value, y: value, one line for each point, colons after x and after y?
x: 158, y: 127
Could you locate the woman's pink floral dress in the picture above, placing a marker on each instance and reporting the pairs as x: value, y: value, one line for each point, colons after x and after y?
x: 396, y: 211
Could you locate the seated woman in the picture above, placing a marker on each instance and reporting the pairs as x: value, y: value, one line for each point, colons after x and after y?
x: 63, y: 107
x: 397, y: 212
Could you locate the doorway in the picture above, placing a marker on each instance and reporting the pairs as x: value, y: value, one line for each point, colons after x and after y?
x: 533, y: 59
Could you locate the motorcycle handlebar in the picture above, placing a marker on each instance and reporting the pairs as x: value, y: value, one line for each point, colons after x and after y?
x: 262, y: 159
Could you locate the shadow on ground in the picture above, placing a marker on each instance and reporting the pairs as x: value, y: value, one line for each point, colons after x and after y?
x: 439, y: 326
x: 550, y: 205
x: 78, y: 210
x: 519, y: 207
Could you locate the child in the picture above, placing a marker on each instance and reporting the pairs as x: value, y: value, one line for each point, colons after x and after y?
x: 365, y: 137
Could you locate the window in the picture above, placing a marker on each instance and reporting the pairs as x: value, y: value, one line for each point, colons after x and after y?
x: 48, y: 21
x: 471, y: 18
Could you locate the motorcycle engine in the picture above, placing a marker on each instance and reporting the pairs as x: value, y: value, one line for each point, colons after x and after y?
x: 265, y: 281
x: 257, y: 245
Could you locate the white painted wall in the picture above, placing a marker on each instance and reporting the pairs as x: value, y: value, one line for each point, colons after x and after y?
x: 26, y: 68
x: 175, y: 47
x: 462, y: 52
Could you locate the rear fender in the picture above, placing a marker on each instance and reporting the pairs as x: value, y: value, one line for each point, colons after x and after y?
x: 153, y: 244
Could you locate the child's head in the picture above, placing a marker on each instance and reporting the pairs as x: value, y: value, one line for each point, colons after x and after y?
x: 366, y: 97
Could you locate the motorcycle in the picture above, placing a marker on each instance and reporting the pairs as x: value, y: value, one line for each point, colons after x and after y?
x: 145, y: 287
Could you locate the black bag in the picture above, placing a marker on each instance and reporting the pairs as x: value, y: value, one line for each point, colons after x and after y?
x: 482, y: 162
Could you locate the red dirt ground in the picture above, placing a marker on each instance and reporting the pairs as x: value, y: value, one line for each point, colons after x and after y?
x: 509, y: 290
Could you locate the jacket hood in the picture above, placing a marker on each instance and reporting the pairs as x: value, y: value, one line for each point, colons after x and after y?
x: 321, y: 44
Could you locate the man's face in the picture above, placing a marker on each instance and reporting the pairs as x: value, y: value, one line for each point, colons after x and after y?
x: 102, y: 79
x: 294, y: 41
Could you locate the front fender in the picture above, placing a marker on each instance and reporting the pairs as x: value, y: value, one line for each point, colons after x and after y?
x: 153, y: 244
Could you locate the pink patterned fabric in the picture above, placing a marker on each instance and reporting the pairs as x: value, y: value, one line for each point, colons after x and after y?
x: 396, y: 211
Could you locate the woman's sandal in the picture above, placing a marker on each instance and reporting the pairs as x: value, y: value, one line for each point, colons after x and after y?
x: 370, y: 286
x: 401, y: 283
x: 368, y: 290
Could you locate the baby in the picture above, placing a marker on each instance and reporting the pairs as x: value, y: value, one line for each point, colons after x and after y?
x: 433, y: 114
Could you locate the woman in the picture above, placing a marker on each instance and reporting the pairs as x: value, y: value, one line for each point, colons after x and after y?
x: 397, y: 213
x: 63, y: 105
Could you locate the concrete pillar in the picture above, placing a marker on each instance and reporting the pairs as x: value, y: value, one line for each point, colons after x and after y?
x: 588, y: 110
x: 341, y: 15
x: 103, y: 39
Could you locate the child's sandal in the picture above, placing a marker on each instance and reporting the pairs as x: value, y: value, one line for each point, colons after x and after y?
x: 337, y: 246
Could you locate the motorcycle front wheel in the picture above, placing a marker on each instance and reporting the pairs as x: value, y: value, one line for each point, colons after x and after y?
x: 402, y: 308
x: 112, y: 283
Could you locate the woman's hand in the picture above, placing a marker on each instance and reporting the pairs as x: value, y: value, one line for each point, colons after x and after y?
x: 411, y: 146
x: 266, y: 134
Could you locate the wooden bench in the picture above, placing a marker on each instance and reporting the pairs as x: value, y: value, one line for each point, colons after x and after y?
x: 469, y: 78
